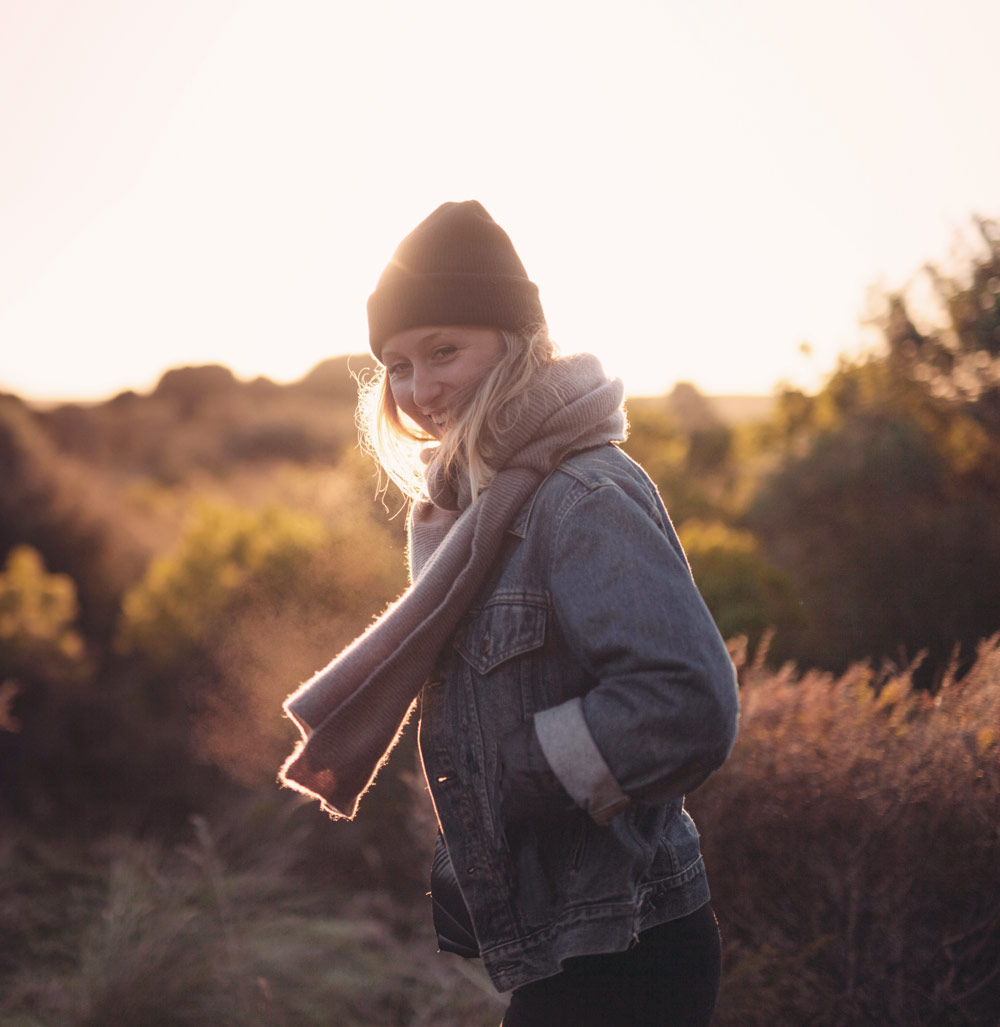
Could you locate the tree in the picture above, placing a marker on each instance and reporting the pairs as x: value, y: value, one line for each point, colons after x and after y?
x: 745, y: 594
x: 38, y: 639
x: 884, y: 502
x: 44, y: 668
x: 958, y: 358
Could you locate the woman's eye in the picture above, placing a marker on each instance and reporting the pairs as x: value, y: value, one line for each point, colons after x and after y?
x: 443, y: 352
x: 395, y: 370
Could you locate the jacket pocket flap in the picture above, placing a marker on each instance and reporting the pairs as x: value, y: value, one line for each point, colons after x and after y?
x: 503, y: 629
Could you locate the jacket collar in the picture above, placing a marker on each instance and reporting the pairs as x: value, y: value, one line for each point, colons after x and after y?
x: 519, y: 526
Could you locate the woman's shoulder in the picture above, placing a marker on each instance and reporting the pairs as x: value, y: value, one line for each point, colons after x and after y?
x: 598, y: 489
x: 605, y: 465
x: 603, y: 469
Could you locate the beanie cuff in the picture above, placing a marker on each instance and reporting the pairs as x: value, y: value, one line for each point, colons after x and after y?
x: 507, y: 302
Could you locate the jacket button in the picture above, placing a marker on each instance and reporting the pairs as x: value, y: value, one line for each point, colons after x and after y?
x: 484, y: 646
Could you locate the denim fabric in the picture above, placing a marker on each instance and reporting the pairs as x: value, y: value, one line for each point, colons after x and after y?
x: 592, y: 628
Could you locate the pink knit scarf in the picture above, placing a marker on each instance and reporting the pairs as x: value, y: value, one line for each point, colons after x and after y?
x: 351, y: 713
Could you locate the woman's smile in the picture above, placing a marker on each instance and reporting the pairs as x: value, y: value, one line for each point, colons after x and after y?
x: 431, y: 367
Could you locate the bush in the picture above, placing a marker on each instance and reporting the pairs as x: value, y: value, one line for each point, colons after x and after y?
x: 70, y: 515
x: 746, y: 595
x: 44, y: 674
x: 190, y: 594
x: 852, y: 847
x: 138, y: 933
x: 37, y: 613
x: 246, y: 605
x: 888, y: 525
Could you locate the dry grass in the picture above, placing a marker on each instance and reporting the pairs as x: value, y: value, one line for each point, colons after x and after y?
x: 135, y: 933
x: 853, y: 844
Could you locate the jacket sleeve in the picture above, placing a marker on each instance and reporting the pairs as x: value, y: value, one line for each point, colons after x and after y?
x: 660, y: 706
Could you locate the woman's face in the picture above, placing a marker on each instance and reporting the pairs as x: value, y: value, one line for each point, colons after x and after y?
x: 430, y: 368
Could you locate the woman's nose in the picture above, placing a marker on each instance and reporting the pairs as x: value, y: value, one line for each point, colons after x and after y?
x: 426, y: 388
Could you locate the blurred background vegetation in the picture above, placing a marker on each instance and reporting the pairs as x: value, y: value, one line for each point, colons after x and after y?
x: 172, y: 564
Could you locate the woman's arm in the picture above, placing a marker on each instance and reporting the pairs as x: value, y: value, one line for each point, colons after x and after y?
x: 662, y: 712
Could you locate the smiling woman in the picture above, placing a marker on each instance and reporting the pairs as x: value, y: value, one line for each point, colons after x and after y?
x: 432, y: 371
x: 571, y: 682
x: 437, y: 371
x: 464, y: 376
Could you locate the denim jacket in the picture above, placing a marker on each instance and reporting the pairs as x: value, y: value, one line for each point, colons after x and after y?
x: 591, y: 628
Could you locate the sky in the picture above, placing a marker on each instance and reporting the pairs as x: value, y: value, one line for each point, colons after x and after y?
x: 699, y: 189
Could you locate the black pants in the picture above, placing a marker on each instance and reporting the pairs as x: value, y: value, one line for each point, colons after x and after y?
x: 670, y: 979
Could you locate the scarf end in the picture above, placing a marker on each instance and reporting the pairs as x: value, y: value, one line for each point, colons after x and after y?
x: 338, y: 775
x: 340, y: 802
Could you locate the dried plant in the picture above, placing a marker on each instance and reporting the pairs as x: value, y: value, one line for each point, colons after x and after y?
x: 853, y: 844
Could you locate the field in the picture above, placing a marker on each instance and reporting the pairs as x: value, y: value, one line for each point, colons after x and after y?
x: 174, y: 564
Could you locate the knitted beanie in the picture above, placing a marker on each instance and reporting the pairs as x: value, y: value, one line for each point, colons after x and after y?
x: 457, y: 267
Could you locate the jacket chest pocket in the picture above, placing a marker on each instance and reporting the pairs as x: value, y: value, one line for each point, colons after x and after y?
x: 505, y: 627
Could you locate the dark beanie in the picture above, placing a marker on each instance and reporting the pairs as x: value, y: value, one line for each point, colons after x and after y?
x: 457, y: 267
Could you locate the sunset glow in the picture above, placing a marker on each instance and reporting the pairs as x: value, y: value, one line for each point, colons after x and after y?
x: 697, y: 189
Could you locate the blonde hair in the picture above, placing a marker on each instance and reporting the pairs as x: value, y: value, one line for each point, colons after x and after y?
x: 395, y: 441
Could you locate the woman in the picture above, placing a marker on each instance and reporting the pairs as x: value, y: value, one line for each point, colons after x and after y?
x: 572, y: 685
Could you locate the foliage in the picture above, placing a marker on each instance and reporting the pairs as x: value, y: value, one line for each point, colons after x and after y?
x: 959, y: 358
x: 37, y: 614
x: 884, y: 511
x: 685, y: 449
x: 44, y: 669
x: 226, y: 554
x: 852, y: 847
x: 201, y: 420
x: 177, y: 562
x: 65, y: 511
x: 850, y: 843
x: 225, y: 941
x: 879, y: 497
x: 745, y: 594
x: 247, y: 603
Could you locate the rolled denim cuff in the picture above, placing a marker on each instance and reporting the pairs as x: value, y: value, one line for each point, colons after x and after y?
x: 575, y: 759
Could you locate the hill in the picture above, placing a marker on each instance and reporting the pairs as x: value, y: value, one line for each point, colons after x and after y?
x: 204, y: 417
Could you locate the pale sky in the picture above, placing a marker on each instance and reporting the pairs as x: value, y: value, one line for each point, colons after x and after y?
x: 697, y: 188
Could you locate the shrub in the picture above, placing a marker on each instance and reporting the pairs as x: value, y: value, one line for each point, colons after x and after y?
x: 37, y: 614
x: 745, y: 594
x: 44, y: 673
x: 852, y: 847
x: 50, y: 502
x: 139, y: 933
x: 888, y: 525
x: 246, y: 605
x: 188, y: 595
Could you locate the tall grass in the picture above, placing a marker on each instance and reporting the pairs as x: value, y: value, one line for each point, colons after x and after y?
x: 852, y: 842
x: 853, y: 845
x: 137, y: 933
